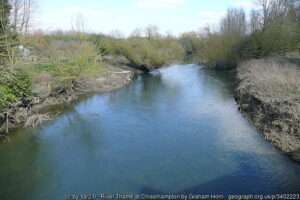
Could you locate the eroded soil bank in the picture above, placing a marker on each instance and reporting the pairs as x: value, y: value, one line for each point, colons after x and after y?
x: 269, y: 95
x: 40, y: 108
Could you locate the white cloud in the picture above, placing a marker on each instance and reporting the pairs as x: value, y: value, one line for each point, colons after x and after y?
x: 160, y: 3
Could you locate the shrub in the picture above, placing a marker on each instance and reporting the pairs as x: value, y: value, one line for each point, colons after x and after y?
x: 66, y: 58
x: 144, y: 52
x: 14, y: 84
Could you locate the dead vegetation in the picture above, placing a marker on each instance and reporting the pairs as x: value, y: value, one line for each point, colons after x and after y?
x: 270, y: 78
x: 36, y: 120
x: 269, y: 95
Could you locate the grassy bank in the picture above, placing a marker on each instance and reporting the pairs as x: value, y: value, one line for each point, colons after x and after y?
x: 269, y: 95
x: 52, y: 69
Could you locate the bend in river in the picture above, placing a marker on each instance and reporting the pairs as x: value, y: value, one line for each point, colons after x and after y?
x: 177, y: 130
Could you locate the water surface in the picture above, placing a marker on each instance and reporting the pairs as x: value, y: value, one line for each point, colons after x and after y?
x: 173, y: 131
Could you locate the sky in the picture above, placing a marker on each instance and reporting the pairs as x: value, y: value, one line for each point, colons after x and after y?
x: 106, y: 16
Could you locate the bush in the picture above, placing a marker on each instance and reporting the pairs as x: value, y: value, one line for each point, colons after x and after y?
x: 14, y: 84
x: 144, y: 52
x: 220, y: 48
x: 65, y: 58
x: 6, y: 97
x: 192, y: 45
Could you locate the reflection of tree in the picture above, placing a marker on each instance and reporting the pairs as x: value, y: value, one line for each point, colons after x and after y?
x: 145, y: 91
x: 218, y: 83
x: 85, y: 127
x: 150, y: 87
x: 19, y: 171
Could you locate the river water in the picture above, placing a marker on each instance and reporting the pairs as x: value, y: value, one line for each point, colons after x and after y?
x: 177, y: 130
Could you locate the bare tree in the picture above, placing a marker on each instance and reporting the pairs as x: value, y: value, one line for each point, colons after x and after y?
x: 21, y: 15
x: 296, y: 4
x: 136, y: 33
x: 234, y: 23
x: 169, y: 34
x: 255, y: 21
x: 15, y: 19
x: 78, y: 23
x: 117, y: 34
x: 7, y: 43
x: 275, y: 10
x: 297, y: 9
x: 151, y: 32
x: 205, y: 31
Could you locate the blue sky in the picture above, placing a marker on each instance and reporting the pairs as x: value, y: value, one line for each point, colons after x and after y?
x: 175, y: 16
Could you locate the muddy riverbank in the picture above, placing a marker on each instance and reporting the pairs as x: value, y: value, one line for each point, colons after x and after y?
x: 268, y: 93
x: 174, y: 131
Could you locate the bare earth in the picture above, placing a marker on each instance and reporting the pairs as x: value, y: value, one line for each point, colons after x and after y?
x: 269, y: 95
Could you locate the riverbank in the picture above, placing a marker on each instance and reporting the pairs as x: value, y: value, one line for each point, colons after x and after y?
x: 30, y: 112
x: 109, y: 142
x: 268, y: 93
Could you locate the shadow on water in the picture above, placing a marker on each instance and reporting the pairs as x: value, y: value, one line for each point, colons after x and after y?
x: 227, y: 185
x: 238, y: 183
x: 174, y: 131
x: 227, y: 78
x: 146, y: 91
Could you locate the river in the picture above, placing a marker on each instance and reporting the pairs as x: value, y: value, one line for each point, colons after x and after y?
x: 177, y: 130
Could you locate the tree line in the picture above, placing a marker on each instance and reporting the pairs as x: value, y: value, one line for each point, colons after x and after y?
x: 273, y: 29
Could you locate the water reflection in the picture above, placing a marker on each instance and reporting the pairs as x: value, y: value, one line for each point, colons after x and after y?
x: 177, y: 130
